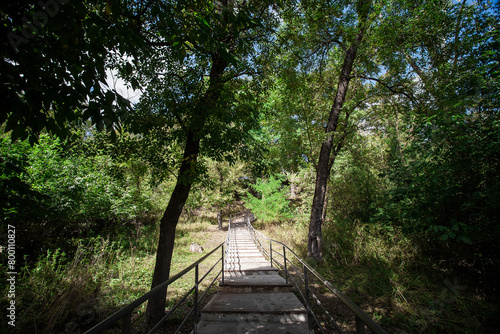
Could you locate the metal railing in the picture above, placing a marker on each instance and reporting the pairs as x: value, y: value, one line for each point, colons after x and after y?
x: 125, y: 314
x: 301, y: 281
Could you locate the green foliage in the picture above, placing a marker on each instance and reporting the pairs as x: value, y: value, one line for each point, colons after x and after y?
x: 57, y: 290
x: 354, y: 185
x: 451, y: 191
x: 271, y: 203
x: 444, y: 180
x: 80, y: 187
x: 65, y: 192
x: 53, y: 65
x: 219, y: 186
x: 19, y: 199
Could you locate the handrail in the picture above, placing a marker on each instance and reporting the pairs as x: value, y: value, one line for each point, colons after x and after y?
x: 226, y: 246
x: 126, y: 312
x: 361, y: 318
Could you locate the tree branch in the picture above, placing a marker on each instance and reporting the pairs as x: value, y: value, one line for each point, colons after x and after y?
x: 392, y: 89
x: 231, y: 77
x: 151, y: 43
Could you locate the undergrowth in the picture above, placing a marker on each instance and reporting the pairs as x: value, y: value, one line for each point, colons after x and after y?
x: 63, y: 293
x: 379, y: 269
x: 390, y: 277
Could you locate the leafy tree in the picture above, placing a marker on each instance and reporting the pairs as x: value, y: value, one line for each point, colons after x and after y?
x: 195, y: 60
x: 355, y: 185
x: 326, y: 32
x: 223, y: 185
x: 294, y: 109
x: 451, y: 158
x: 199, y: 96
x: 54, y: 60
x: 271, y: 203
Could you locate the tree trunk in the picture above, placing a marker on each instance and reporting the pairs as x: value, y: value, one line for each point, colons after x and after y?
x: 156, y: 304
x: 219, y: 219
x: 221, y: 183
x: 325, y: 206
x: 315, y: 239
x: 293, y: 192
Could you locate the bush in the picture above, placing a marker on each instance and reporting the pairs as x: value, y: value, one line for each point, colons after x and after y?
x: 57, y: 293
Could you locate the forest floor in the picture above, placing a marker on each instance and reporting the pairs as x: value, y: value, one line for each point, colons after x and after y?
x: 62, y: 293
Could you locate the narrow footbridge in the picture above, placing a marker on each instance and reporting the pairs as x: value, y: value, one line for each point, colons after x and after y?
x: 264, y: 287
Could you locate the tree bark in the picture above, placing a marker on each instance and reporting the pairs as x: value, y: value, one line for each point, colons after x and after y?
x: 315, y: 239
x: 219, y: 219
x: 219, y: 212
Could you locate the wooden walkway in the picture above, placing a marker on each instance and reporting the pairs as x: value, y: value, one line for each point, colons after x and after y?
x: 254, y: 298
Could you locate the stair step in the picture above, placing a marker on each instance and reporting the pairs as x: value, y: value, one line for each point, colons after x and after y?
x: 246, y: 259
x: 264, y: 270
x: 255, y: 283
x: 244, y: 248
x: 244, y: 252
x: 250, y: 327
x: 282, y: 307
x: 248, y: 267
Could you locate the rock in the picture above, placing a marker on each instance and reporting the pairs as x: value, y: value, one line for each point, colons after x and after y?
x: 195, y: 248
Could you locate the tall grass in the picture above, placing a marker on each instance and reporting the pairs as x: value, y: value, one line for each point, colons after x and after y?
x: 59, y: 292
x: 62, y: 293
x: 389, y: 277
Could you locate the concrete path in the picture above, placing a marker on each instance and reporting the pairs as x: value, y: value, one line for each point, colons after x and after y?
x: 253, y: 299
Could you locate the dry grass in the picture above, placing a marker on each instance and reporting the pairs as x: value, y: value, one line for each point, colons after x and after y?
x: 385, y: 275
x: 200, y: 231
x: 103, y: 276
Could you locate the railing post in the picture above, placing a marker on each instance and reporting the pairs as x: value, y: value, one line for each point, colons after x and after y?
x: 271, y: 252
x: 360, y: 326
x: 223, y: 246
x: 126, y: 323
x: 195, y: 330
x: 308, y: 307
x: 284, y: 261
